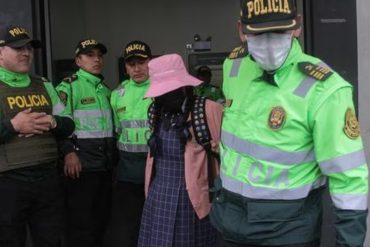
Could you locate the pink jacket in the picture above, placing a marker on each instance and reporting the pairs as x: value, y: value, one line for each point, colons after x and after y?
x: 196, y: 177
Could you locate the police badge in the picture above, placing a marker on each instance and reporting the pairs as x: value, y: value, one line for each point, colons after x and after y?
x: 277, y: 118
x: 351, y: 125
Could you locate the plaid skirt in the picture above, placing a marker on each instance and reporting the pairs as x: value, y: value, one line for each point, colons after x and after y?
x: 168, y: 218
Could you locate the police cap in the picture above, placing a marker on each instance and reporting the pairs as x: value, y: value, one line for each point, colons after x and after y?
x: 86, y: 45
x: 137, y: 48
x: 259, y: 16
x: 16, y: 36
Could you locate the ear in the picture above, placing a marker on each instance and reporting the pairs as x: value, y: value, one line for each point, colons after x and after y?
x: 1, y: 52
x: 78, y: 60
x: 240, y: 31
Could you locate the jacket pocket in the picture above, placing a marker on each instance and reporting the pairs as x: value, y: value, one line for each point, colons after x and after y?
x: 274, y: 211
x: 246, y: 221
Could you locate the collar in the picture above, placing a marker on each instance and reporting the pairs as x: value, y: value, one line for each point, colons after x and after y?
x: 14, y: 79
x: 143, y: 84
x: 274, y: 78
x: 94, y: 79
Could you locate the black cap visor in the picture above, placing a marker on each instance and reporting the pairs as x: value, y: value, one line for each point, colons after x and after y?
x: 88, y: 49
x: 20, y: 43
x: 138, y: 55
x: 264, y: 27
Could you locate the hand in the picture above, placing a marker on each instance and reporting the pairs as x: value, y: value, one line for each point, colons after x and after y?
x: 72, y: 165
x: 28, y: 123
x: 215, y: 147
x: 48, y: 121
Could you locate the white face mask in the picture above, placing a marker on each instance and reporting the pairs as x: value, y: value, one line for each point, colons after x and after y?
x: 270, y: 50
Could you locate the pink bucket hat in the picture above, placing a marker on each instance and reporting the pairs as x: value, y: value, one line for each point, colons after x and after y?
x: 167, y: 73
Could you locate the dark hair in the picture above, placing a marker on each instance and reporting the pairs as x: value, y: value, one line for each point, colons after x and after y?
x: 155, y: 113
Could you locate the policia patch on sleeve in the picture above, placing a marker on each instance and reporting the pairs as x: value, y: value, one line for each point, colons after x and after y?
x: 238, y: 52
x: 351, y: 125
x: 315, y: 71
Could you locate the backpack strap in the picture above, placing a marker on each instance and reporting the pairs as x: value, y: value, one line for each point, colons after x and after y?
x: 203, y: 137
x: 199, y: 123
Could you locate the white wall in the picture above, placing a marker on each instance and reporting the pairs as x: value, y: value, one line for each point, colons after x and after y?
x: 363, y: 27
x: 166, y: 25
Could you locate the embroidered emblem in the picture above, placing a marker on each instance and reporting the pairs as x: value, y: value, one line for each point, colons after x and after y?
x: 315, y: 71
x: 277, y: 118
x: 121, y: 92
x: 88, y: 100
x: 121, y: 109
x: 238, y: 52
x: 63, y: 97
x: 351, y: 125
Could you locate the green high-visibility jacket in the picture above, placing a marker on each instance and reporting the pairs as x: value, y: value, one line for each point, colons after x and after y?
x: 130, y: 111
x: 283, y: 138
x: 87, y: 100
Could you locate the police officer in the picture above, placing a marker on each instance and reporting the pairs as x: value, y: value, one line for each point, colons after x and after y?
x: 131, y: 123
x: 88, y: 155
x: 289, y: 128
x: 206, y: 89
x: 30, y: 123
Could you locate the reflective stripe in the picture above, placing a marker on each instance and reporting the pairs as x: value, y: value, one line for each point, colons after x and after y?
x: 343, y: 163
x: 235, y: 67
x: 269, y: 193
x: 307, y: 83
x: 58, y: 108
x: 350, y: 202
x: 92, y: 113
x: 135, y: 124
x: 93, y: 133
x: 134, y: 148
x: 82, y: 115
x: 266, y: 153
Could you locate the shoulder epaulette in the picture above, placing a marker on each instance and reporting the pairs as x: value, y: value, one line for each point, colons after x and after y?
x: 39, y: 78
x: 71, y: 78
x: 316, y: 71
x: 238, y: 52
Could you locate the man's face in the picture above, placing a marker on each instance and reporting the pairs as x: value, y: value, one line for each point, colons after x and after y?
x: 18, y: 60
x: 91, y: 61
x: 137, y: 69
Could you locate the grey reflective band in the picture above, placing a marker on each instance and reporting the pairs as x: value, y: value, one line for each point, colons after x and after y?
x: 135, y: 124
x: 343, y: 163
x: 92, y: 113
x: 266, y: 153
x: 235, y: 67
x: 93, y: 133
x: 308, y: 82
x: 349, y: 202
x: 134, y: 148
x: 269, y: 193
x: 58, y: 108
